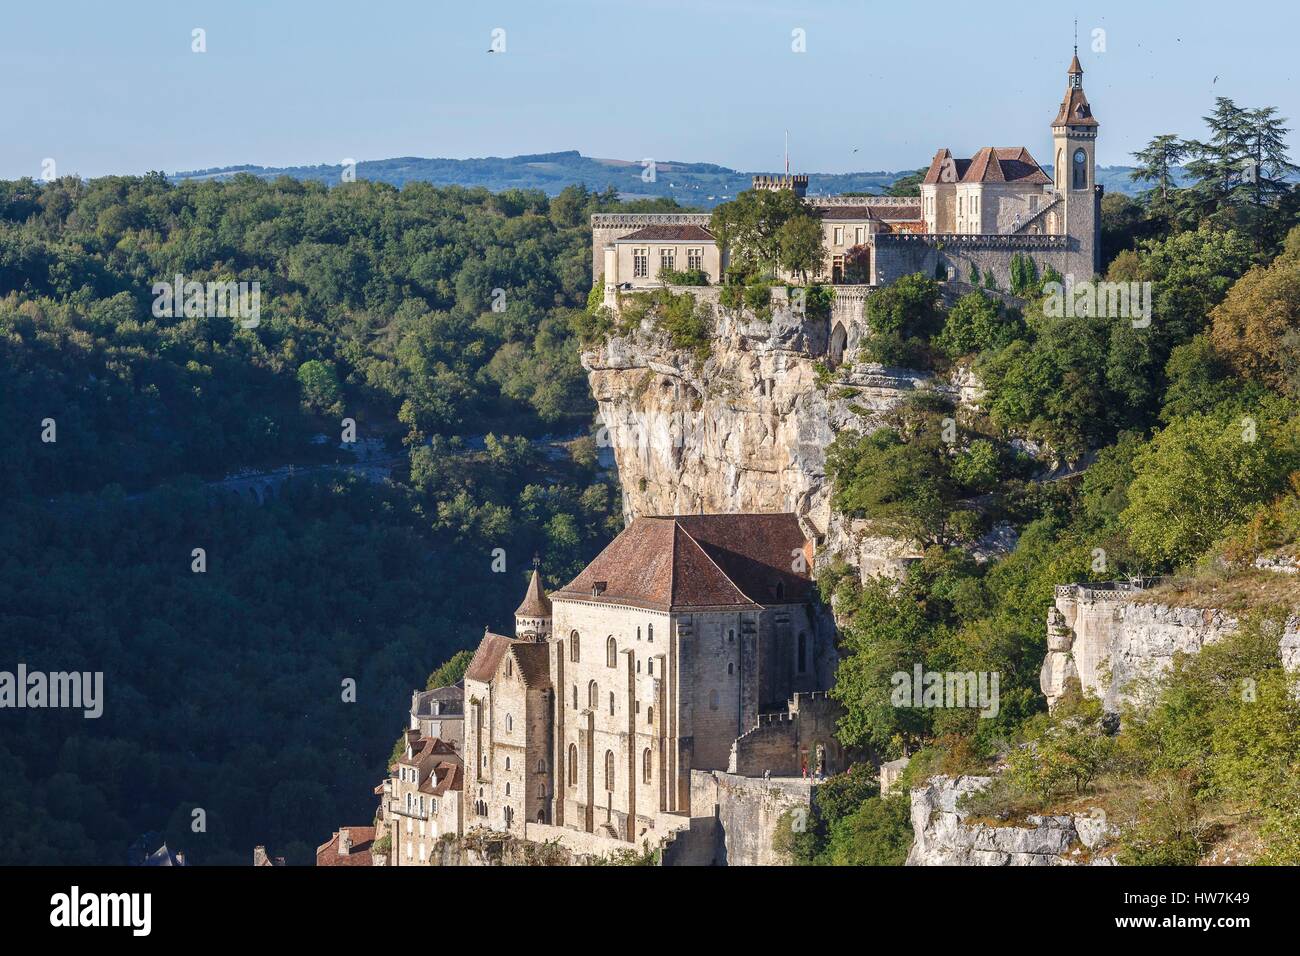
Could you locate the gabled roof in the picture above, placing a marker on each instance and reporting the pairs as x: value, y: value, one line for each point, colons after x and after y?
x: 1001, y: 164
x: 493, y: 647
x: 935, y: 173
x: 1007, y: 164
x: 682, y: 561
x: 680, y: 233
x: 534, y: 660
x: 536, y: 603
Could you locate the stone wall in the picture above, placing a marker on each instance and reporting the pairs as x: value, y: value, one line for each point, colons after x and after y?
x: 747, y: 811
x: 945, y: 835
x: 781, y: 743
x: 900, y: 254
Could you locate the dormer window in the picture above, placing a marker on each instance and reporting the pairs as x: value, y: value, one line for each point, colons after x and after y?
x: 598, y: 588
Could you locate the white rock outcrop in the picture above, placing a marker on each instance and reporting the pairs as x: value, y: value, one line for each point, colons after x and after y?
x: 1111, y: 638
x: 747, y: 428
x: 943, y: 837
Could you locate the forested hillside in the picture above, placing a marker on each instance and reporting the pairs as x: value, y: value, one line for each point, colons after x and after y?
x: 224, y: 686
x: 1183, y: 432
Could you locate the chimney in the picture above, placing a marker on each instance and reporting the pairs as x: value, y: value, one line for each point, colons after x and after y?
x: 345, y: 842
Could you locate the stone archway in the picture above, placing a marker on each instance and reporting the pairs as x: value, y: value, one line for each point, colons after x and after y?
x: 839, y: 338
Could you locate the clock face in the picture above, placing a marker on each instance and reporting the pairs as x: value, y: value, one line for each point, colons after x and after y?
x: 1080, y: 156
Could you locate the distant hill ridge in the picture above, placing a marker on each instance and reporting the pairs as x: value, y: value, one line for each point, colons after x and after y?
x: 691, y: 184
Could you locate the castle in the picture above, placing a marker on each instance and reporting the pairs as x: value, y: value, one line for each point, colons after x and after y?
x: 673, y: 692
x: 975, y: 213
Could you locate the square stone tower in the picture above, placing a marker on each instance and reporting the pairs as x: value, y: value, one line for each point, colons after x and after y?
x: 1074, y: 141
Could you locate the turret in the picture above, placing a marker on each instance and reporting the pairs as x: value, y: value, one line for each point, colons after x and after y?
x: 533, y: 616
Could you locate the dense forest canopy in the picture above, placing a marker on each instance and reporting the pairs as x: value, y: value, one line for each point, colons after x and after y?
x: 435, y: 319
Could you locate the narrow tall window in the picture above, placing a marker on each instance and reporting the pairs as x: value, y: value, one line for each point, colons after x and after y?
x: 573, y: 765
x: 575, y: 653
x: 611, y: 703
x: 609, y: 770
x: 645, y: 765
x: 611, y: 652
x: 593, y: 695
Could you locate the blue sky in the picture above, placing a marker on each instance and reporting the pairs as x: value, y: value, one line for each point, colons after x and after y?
x: 114, y: 87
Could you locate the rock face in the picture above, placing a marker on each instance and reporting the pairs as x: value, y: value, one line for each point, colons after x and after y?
x: 943, y: 837
x: 1109, y: 638
x: 747, y: 429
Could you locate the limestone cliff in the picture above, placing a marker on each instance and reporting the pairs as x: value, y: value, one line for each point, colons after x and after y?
x: 746, y: 429
x: 946, y: 835
x: 1110, y: 636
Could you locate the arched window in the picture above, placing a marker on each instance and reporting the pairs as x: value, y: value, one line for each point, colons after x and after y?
x: 573, y: 765
x: 541, y: 765
x: 713, y: 700
x: 731, y: 667
x: 650, y: 666
x: 541, y: 791
x: 1080, y: 169
x: 645, y: 765
x: 507, y: 789
x: 510, y: 667
x: 575, y: 696
x: 611, y: 652
x: 731, y: 635
x: 611, y: 703
x: 507, y: 766
x: 609, y: 770
x: 649, y: 715
x: 593, y: 695
x: 803, y: 653
x: 575, y: 650
x: 510, y: 726
x: 649, y: 632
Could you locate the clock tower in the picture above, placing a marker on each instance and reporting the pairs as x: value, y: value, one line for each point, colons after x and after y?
x: 1074, y: 166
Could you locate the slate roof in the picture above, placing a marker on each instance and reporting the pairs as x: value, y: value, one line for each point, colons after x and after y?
x: 666, y: 233
x: 683, y: 561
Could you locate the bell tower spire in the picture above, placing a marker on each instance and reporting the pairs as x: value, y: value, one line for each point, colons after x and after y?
x: 1074, y: 169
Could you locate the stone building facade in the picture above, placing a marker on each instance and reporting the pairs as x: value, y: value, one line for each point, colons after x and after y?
x: 691, y: 645
x: 981, y: 212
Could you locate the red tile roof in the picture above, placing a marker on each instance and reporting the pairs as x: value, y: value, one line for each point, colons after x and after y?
x: 493, y: 647
x: 1003, y: 164
x: 686, y: 233
x: 869, y: 211
x: 723, y: 560
x: 327, y: 854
